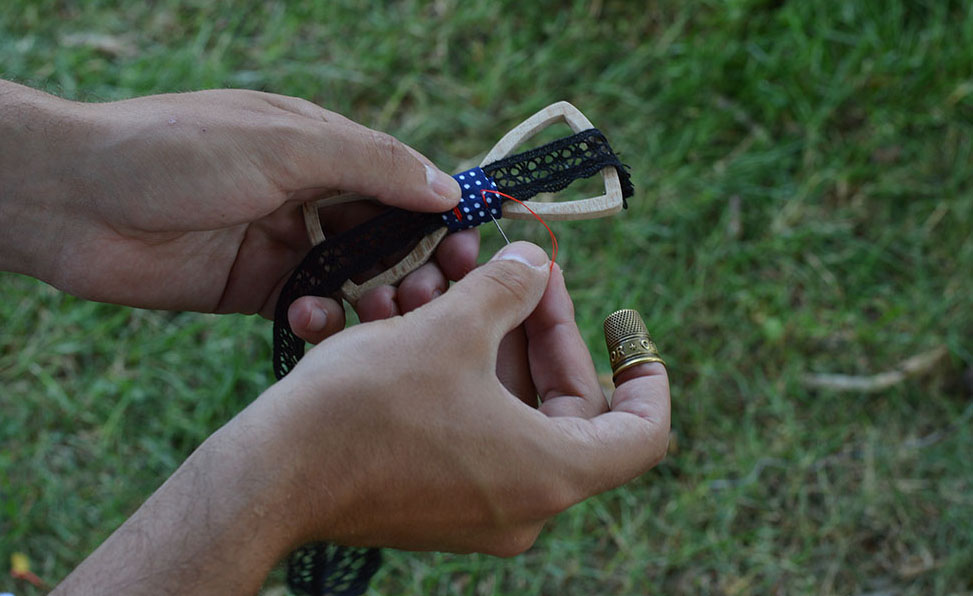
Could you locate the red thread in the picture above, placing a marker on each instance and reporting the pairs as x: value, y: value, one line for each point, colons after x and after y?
x: 459, y: 216
x: 549, y: 230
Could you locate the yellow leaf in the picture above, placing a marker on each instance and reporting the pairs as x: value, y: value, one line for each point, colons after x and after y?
x: 19, y: 564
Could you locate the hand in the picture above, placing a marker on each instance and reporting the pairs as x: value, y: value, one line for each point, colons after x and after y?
x: 418, y: 445
x: 192, y: 201
x: 399, y: 433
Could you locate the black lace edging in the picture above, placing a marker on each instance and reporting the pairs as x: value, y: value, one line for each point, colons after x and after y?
x: 323, y: 569
x: 554, y: 166
x: 339, y: 258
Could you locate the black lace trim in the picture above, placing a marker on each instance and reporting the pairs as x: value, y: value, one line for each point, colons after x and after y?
x: 323, y: 569
x: 338, y: 259
x: 553, y: 167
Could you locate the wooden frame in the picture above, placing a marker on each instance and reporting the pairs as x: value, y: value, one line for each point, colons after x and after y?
x: 600, y: 206
x: 594, y: 207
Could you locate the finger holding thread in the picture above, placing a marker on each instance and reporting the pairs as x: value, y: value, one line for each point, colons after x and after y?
x: 559, y: 359
x: 508, y: 287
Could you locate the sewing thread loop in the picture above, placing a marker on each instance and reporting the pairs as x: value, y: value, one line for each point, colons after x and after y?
x: 549, y: 230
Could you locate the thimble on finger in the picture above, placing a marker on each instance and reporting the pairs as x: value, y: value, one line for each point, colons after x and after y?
x: 628, y: 341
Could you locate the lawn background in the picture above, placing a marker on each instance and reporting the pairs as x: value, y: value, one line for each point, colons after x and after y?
x: 804, y: 205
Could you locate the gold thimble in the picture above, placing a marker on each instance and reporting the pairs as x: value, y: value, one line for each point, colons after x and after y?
x: 628, y: 341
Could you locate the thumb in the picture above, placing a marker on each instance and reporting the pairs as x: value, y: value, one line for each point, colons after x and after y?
x: 353, y: 158
x: 497, y: 296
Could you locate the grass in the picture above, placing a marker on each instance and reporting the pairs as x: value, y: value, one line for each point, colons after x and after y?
x: 804, y: 204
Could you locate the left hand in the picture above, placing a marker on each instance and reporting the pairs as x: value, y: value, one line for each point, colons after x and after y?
x: 192, y: 201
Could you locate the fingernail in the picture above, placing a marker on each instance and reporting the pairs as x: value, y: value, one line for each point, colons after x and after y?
x: 317, y: 320
x: 525, y: 252
x: 442, y: 184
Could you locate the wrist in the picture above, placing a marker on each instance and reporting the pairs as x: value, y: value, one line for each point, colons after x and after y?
x: 244, y: 490
x: 218, y: 525
x: 41, y: 137
x: 306, y: 488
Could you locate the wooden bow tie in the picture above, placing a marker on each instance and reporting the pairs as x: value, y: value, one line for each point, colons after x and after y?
x: 328, y: 268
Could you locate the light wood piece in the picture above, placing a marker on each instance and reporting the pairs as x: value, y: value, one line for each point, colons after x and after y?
x: 600, y: 206
x: 423, y: 251
x: 591, y: 208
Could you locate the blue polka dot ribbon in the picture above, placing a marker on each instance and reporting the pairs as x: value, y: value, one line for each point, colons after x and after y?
x: 476, y: 206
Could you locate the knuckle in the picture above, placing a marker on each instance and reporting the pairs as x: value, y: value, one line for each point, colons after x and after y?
x: 510, y: 278
x: 539, y: 501
x: 422, y: 284
x: 514, y: 542
x: 283, y: 143
x: 385, y: 146
x: 551, y: 500
x: 309, y: 109
x: 279, y: 133
x: 253, y: 96
x: 284, y: 127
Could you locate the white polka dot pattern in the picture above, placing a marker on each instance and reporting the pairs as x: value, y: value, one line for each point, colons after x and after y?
x: 473, y: 207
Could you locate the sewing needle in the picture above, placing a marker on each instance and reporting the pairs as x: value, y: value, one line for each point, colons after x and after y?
x: 507, y: 240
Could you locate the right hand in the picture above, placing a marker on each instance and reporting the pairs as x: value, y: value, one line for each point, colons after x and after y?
x: 399, y: 432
